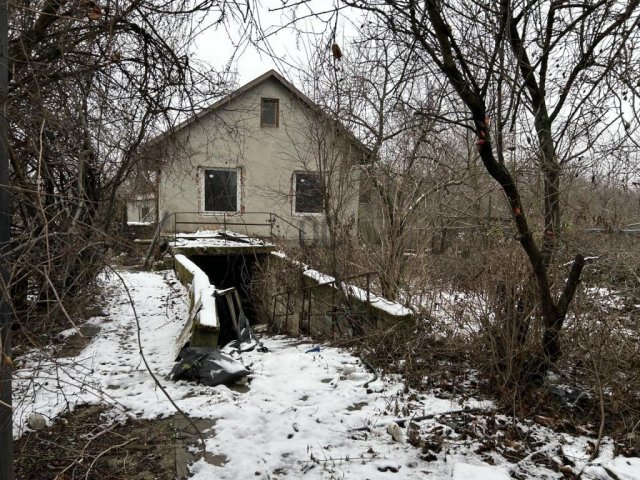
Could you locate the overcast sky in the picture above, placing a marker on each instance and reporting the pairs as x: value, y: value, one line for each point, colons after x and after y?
x: 284, y: 49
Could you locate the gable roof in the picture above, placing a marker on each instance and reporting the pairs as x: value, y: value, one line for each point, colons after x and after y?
x: 271, y: 74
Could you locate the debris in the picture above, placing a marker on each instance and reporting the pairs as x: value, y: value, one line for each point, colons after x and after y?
x: 389, y: 468
x: 313, y: 350
x: 336, y: 52
x: 36, y: 421
x: 396, y: 432
x: 348, y: 369
x: 208, y: 366
x: 569, y: 396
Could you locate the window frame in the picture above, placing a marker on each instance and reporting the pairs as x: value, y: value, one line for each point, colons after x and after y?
x: 202, y: 173
x: 294, y: 188
x: 275, y: 101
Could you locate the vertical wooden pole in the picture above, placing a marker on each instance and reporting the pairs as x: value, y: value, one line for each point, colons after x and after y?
x: 369, y: 299
x: 301, y: 321
x: 286, y: 313
x: 6, y: 426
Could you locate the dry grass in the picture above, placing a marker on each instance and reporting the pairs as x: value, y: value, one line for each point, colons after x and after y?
x: 479, y: 313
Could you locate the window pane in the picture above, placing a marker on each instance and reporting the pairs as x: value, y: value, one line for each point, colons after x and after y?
x: 221, y: 190
x: 269, y: 114
x: 308, y: 193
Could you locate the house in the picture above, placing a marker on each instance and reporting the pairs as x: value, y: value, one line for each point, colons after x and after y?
x: 265, y: 161
x: 141, y: 209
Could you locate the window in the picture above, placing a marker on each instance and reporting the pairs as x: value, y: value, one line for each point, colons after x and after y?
x: 220, y: 190
x: 308, y: 193
x: 144, y: 213
x: 269, y: 112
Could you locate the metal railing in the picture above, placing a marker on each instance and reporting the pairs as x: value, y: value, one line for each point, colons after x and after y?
x: 225, y: 220
x: 271, y: 221
x: 333, y: 308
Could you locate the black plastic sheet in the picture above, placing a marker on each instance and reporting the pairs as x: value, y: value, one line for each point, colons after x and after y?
x: 207, y: 366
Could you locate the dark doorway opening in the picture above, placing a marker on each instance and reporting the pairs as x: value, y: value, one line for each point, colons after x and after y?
x: 232, y: 270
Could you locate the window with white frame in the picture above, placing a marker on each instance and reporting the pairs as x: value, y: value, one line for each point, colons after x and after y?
x: 220, y: 192
x: 307, y: 193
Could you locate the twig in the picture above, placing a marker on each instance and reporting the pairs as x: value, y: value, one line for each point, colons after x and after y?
x: 154, y: 241
x: 596, y: 449
x: 112, y: 447
x: 146, y: 364
x: 60, y: 303
x: 339, y: 459
x: 84, y: 449
x: 373, y: 370
x: 610, y: 473
x: 403, y: 421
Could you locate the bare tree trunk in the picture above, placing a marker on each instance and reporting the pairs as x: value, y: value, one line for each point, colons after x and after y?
x: 553, y: 313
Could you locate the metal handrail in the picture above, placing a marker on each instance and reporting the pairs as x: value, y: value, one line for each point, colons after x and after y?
x: 270, y: 222
x: 308, y: 288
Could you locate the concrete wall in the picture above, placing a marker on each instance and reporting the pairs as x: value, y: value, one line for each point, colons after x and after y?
x: 202, y: 327
x: 307, y: 303
x: 267, y: 157
x: 136, y: 207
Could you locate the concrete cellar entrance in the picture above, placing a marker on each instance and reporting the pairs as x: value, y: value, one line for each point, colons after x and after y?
x: 233, y: 270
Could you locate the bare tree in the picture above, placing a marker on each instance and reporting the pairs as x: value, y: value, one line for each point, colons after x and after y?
x: 89, y: 83
x: 545, y: 67
x: 378, y: 89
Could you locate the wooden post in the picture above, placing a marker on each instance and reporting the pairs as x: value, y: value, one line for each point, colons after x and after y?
x: 286, y: 313
x: 301, y: 320
x: 273, y: 314
x: 309, y: 311
x: 369, y: 298
x: 6, y: 425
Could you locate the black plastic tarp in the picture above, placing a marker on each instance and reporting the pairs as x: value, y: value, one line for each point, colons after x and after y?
x: 207, y: 366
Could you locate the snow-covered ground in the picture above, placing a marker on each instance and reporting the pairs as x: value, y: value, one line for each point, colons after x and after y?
x: 306, y: 412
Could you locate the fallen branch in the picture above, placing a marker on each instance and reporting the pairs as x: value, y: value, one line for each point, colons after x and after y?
x: 403, y: 421
x: 78, y: 460
x: 373, y: 370
x: 112, y: 447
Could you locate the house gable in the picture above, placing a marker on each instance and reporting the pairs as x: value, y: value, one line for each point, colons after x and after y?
x: 230, y: 141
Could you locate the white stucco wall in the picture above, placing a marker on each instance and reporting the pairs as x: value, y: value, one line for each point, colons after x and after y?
x: 137, y: 206
x: 231, y: 137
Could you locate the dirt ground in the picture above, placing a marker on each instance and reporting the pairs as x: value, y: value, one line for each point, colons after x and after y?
x: 82, y: 445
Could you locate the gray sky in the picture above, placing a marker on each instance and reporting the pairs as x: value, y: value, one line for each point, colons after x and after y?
x: 284, y: 49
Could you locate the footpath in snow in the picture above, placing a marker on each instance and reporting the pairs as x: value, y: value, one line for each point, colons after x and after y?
x: 304, y: 413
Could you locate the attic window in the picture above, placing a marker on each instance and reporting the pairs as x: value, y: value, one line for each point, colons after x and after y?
x: 308, y: 193
x: 270, y: 108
